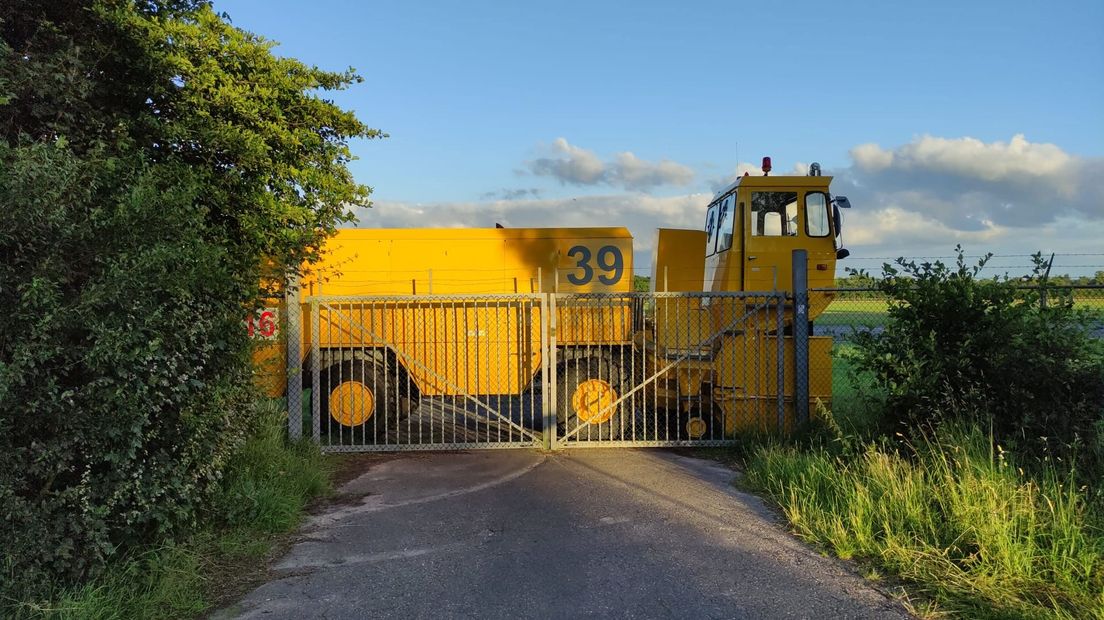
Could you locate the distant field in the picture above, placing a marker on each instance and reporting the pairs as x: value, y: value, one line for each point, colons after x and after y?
x: 848, y: 389
x: 855, y: 313
x: 872, y: 312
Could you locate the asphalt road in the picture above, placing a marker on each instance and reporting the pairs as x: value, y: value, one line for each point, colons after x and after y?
x: 588, y: 533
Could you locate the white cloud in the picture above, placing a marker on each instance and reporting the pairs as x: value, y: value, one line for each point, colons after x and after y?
x: 511, y: 194
x: 971, y: 158
x: 879, y: 236
x: 919, y: 199
x: 1010, y: 198
x: 574, y: 165
x: 871, y: 157
x: 964, y: 181
x: 632, y: 172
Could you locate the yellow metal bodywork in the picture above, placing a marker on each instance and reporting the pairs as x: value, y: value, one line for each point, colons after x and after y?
x: 500, y: 349
x: 592, y: 400
x: 270, y: 368
x: 468, y: 261
x: 764, y: 263
x: 352, y: 403
x: 678, y: 262
x: 501, y: 339
x: 746, y: 386
x: 269, y: 349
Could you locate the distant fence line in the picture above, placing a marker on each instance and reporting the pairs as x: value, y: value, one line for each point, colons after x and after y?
x: 860, y: 309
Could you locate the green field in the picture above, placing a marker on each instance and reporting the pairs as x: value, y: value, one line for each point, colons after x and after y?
x: 855, y: 313
x: 873, y: 312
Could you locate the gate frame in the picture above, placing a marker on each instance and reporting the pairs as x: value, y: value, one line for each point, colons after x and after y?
x: 548, y: 375
x: 536, y: 440
x: 766, y: 299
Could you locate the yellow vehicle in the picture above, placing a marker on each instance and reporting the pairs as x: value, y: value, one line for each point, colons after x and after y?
x: 392, y: 317
x: 752, y: 228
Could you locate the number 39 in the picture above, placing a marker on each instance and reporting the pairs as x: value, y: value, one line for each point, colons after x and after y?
x: 609, y: 260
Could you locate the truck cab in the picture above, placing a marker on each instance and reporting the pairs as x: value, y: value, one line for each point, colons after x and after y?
x: 751, y: 229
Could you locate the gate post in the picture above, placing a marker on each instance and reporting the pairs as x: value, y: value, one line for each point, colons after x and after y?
x: 294, y: 362
x: 551, y: 419
x: 801, y: 335
x: 316, y: 372
x: 548, y: 416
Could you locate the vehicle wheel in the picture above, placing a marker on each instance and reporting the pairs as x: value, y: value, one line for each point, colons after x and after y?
x: 697, y: 425
x: 587, y: 389
x: 363, y: 395
x: 704, y: 422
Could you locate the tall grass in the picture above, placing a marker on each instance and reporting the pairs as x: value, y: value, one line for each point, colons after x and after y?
x: 265, y: 488
x: 954, y: 516
x: 270, y: 480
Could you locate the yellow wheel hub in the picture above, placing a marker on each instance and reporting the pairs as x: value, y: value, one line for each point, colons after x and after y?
x: 352, y: 403
x: 696, y: 427
x: 592, y: 399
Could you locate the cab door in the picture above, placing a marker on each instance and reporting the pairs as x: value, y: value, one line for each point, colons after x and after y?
x: 722, y: 268
x: 773, y: 225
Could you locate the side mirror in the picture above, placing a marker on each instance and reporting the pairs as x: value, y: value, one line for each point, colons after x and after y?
x: 841, y: 202
x: 842, y: 253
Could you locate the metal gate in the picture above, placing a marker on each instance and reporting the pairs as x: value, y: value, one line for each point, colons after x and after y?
x: 427, y: 372
x: 665, y: 369
x: 438, y: 372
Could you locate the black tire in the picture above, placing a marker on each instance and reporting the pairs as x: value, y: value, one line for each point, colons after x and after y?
x: 606, y: 376
x: 389, y: 394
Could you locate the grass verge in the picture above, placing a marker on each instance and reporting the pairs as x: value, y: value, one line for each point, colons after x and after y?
x: 265, y: 489
x: 954, y: 517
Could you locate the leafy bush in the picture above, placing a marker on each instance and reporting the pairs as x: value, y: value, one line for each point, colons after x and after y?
x: 123, y: 380
x: 267, y: 483
x: 959, y: 347
x: 152, y: 158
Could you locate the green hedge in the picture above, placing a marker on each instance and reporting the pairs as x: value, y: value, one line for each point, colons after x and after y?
x: 152, y: 158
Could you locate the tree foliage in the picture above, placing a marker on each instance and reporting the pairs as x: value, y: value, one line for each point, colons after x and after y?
x: 153, y: 159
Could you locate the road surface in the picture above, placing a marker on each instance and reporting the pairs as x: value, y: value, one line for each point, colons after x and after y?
x: 585, y: 533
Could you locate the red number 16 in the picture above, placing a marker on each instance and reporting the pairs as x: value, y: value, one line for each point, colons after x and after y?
x: 265, y: 324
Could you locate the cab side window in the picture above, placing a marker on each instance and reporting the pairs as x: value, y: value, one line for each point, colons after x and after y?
x: 724, y: 242
x: 710, y: 230
x: 816, y: 214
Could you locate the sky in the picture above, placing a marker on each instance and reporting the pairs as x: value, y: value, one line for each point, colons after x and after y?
x: 980, y: 123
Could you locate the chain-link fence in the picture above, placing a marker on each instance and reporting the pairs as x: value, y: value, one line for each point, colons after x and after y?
x: 552, y: 370
x: 668, y: 369
x: 573, y: 369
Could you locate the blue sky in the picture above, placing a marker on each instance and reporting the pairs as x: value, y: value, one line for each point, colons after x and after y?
x: 508, y: 109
